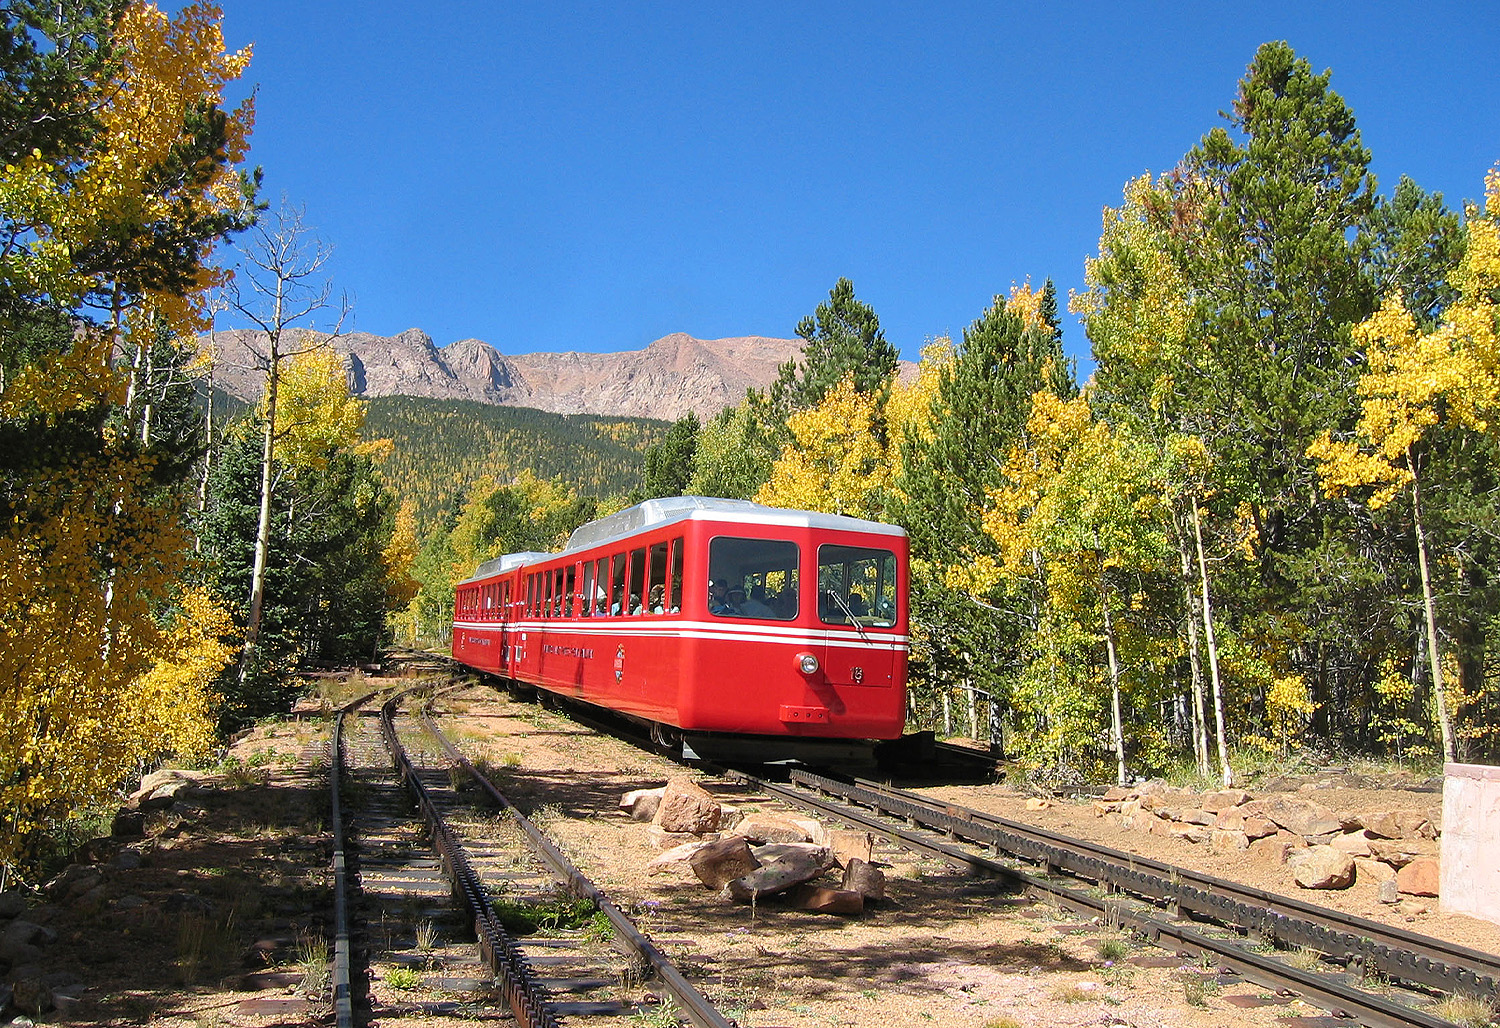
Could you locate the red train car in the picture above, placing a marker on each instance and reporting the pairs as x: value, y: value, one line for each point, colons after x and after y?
x: 744, y: 631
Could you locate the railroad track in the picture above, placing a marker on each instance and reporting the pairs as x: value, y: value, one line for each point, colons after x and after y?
x: 1125, y: 891
x: 586, y: 953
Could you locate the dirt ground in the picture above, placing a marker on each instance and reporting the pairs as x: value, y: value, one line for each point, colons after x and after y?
x: 214, y: 915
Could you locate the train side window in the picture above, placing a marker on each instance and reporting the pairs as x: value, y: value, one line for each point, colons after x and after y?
x: 617, y: 578
x: 586, y: 604
x: 752, y: 578
x: 531, y: 600
x: 570, y: 588
x: 637, y: 580
x: 856, y: 584
x: 674, y: 581
x: 601, y: 580
x: 656, y: 595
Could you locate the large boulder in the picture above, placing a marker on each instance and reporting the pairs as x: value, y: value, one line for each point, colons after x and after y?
x: 1419, y: 878
x: 642, y: 804
x: 677, y: 856
x: 718, y: 863
x: 1400, y: 852
x: 1300, y: 817
x: 1224, y: 799
x: 12, y: 903
x: 763, y: 828
x: 820, y: 899
x: 160, y: 789
x: 1321, y: 867
x: 783, y: 865
x: 687, y: 807
x: 864, y: 878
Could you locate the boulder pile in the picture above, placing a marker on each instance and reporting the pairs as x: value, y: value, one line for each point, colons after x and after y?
x: 762, y: 855
x: 1322, y: 848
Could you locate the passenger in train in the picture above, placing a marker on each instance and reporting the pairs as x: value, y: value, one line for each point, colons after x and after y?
x: 635, y: 603
x: 718, y: 597
x: 857, y: 605
x: 754, y: 606
x: 658, y: 599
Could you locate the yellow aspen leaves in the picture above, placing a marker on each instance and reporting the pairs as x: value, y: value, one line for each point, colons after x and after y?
x: 315, y: 412
x: 836, y: 462
x: 1417, y: 380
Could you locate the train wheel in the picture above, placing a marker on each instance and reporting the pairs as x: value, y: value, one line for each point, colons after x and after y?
x: 666, y: 739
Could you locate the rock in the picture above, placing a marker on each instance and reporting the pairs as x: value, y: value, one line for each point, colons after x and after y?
x: 822, y: 900
x: 130, y: 902
x: 847, y: 844
x: 1130, y: 807
x: 1321, y: 867
x: 1389, y: 891
x: 75, y: 880
x: 864, y: 878
x: 1419, y: 878
x: 783, y: 865
x: 128, y: 824
x: 687, y: 807
x: 764, y: 828
x: 1411, y: 908
x: 1225, y: 840
x: 1197, y: 816
x: 641, y: 804
x: 661, y: 841
x: 1257, y: 827
x: 1102, y: 807
x: 161, y: 789
x: 1190, y: 833
x: 183, y: 902
x: 1300, y: 817
x: 1037, y: 803
x: 1224, y: 799
x: 1400, y: 852
x: 28, y: 933
x: 127, y: 860
x: 1116, y: 793
x: 1230, y: 819
x: 1414, y: 824
x: 12, y: 903
x: 1356, y: 844
x: 817, y: 832
x: 718, y: 863
x: 31, y: 994
x: 1381, y: 824
x: 1367, y: 869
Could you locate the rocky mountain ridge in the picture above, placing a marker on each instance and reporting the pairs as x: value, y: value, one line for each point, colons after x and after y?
x: 673, y: 375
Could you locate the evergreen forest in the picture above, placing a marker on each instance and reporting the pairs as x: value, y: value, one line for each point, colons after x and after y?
x: 1264, y: 528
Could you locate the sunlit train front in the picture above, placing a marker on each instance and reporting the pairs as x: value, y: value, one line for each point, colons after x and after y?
x: 745, y: 631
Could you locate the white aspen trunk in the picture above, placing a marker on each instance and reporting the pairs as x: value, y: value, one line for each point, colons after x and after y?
x: 1114, y: 687
x: 1433, y: 657
x: 973, y: 711
x: 947, y: 713
x: 1226, y: 772
x: 262, y: 528
x: 1195, y: 664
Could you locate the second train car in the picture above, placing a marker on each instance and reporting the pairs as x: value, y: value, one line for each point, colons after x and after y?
x: 737, y: 630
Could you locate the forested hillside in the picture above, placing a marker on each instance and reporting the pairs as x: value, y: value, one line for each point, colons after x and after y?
x: 441, y: 447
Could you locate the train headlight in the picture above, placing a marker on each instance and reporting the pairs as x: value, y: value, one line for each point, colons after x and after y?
x: 807, y: 663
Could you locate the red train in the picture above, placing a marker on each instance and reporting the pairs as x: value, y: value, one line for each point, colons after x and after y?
x: 739, y: 630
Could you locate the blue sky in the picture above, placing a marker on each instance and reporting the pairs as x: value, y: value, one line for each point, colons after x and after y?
x: 554, y: 176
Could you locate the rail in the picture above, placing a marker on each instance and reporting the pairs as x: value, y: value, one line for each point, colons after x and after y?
x: 689, y: 1000
x: 1286, y: 920
x: 1327, y: 991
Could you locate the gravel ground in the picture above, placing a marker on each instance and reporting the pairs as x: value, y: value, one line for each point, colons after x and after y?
x: 944, y: 947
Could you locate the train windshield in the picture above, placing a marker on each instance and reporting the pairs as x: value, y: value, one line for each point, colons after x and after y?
x: 856, y: 585
x: 752, y: 578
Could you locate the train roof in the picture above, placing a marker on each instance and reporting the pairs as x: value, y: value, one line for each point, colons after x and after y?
x: 670, y: 509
